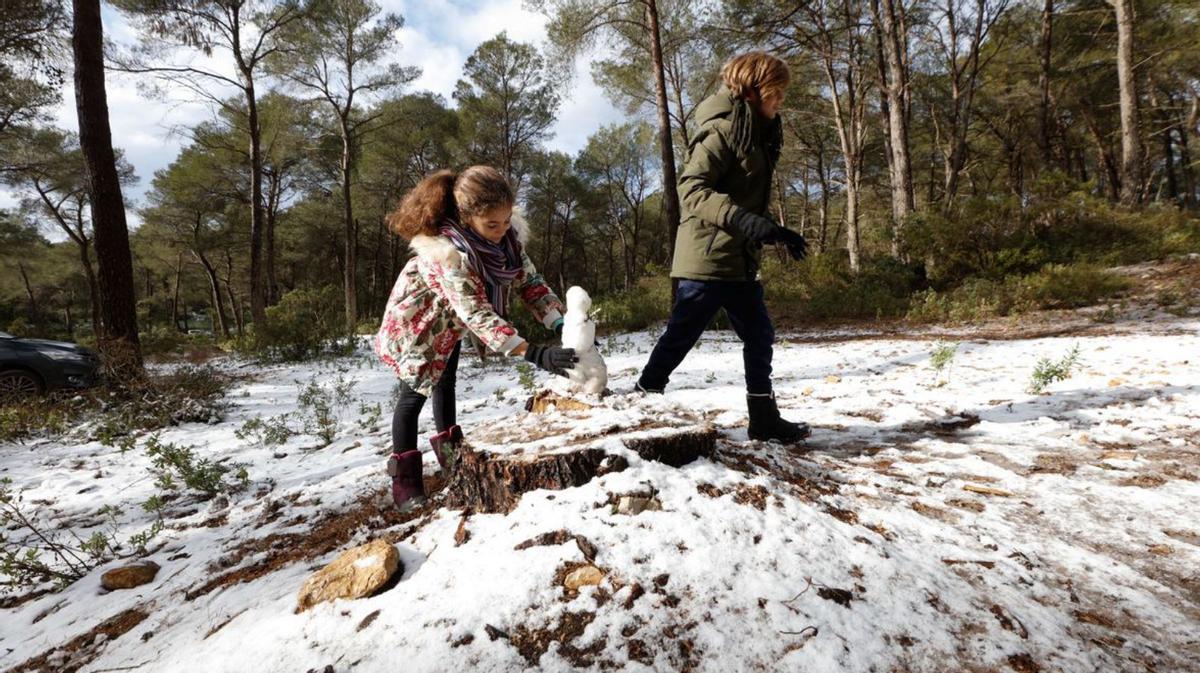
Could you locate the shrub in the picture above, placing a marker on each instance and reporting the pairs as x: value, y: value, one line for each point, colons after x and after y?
x: 172, y: 461
x: 635, y: 309
x: 303, y: 325
x: 1048, y: 371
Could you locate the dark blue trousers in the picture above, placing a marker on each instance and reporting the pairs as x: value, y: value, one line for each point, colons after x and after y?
x: 696, y: 302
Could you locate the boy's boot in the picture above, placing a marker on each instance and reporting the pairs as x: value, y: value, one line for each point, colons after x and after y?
x: 446, y: 446
x: 408, y: 488
x: 766, y: 423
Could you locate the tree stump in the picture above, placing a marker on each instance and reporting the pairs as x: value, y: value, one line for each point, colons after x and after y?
x: 676, y: 448
x: 488, y: 483
x: 546, y: 400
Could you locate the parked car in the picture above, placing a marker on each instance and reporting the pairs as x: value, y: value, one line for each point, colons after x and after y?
x: 30, y: 367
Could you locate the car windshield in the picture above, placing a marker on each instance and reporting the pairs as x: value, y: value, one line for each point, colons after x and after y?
x: 6, y: 335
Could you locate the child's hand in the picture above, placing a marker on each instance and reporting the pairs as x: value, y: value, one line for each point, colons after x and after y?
x: 552, y: 358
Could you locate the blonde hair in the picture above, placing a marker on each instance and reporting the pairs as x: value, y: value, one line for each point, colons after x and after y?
x: 449, y: 195
x: 756, y: 71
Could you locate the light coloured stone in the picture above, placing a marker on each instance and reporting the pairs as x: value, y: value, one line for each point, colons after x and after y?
x: 129, y: 576
x: 636, y: 504
x: 583, y: 576
x: 356, y: 573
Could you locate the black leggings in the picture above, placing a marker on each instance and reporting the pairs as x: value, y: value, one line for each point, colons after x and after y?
x: 408, y: 408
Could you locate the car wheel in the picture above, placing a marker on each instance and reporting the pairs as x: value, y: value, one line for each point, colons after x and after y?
x: 17, y: 386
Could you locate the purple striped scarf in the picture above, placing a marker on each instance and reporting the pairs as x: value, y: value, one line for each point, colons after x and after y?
x: 497, y: 263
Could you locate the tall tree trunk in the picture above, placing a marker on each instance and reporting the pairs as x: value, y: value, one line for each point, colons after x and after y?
x: 1131, y: 132
x: 1045, y: 133
x: 272, y: 210
x: 666, y: 149
x: 895, y: 95
x: 258, y: 285
x: 119, y: 307
x: 351, y: 230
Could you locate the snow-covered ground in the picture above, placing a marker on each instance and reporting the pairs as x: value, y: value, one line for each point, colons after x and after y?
x: 934, y: 522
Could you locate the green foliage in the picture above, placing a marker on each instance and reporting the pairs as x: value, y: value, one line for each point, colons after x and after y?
x: 525, y: 377
x: 941, y: 356
x: 171, y: 461
x: 1048, y: 371
x: 322, y: 406
x: 1055, y: 286
x: 635, y: 309
x: 266, y: 432
x: 369, y: 416
x: 303, y: 325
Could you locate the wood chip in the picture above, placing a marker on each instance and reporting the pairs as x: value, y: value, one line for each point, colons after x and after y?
x: 986, y: 490
x: 1118, y: 455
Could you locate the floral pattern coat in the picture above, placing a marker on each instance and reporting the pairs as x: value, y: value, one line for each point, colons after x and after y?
x: 438, y: 298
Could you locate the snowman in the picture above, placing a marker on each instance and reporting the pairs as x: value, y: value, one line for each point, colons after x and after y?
x: 590, y: 374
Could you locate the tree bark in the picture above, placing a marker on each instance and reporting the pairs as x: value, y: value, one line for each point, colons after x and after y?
x: 1131, y: 132
x: 1045, y: 133
x: 258, y: 286
x: 218, y: 302
x: 351, y: 230
x: 111, y: 235
x: 894, y: 38
x: 666, y: 148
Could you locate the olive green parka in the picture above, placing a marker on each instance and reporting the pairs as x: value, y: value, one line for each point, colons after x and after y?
x: 730, y: 165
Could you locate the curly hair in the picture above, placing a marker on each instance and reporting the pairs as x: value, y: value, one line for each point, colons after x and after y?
x: 756, y: 71
x: 448, y: 195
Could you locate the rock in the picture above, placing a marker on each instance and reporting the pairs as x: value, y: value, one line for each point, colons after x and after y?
x: 1113, y: 383
x: 129, y: 576
x: 356, y: 573
x: 583, y: 576
x: 833, y: 378
x: 636, y: 504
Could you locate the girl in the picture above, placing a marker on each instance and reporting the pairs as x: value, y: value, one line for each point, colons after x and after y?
x: 725, y: 190
x: 470, y: 256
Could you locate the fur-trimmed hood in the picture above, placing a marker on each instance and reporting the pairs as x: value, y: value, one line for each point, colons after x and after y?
x: 438, y: 248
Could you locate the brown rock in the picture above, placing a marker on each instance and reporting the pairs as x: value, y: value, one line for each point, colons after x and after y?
x: 356, y: 573
x: 588, y: 575
x: 129, y: 576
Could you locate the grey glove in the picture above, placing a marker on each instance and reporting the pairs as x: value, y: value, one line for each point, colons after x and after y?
x: 552, y: 358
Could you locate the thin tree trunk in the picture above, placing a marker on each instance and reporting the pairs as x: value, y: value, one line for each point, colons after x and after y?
x: 895, y: 97
x: 33, y: 305
x: 351, y: 230
x: 89, y: 274
x: 1045, y: 133
x: 175, y: 291
x: 273, y: 190
x: 111, y: 235
x: 218, y: 302
x: 670, y: 188
x: 1131, y: 132
x: 258, y: 286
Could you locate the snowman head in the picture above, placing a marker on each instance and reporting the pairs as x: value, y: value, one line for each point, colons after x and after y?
x: 578, y: 300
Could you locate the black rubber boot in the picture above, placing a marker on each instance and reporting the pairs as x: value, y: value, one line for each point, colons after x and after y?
x: 766, y: 423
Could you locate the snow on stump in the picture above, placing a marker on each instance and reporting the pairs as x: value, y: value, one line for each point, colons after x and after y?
x: 129, y: 576
x: 356, y: 573
x: 494, y: 483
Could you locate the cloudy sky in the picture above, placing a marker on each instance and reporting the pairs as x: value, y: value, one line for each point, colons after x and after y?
x: 437, y: 37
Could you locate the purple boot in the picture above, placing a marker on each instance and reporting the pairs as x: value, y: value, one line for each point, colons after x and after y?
x: 408, y: 488
x: 446, y: 445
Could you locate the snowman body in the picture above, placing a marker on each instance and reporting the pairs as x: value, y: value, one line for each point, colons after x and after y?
x: 590, y: 374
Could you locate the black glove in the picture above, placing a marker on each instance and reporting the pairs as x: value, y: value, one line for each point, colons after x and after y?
x: 755, y: 227
x: 552, y: 358
x: 797, y: 247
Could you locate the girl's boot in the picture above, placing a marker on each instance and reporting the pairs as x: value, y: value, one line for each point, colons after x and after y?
x: 446, y: 446
x: 408, y: 488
